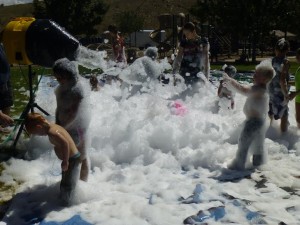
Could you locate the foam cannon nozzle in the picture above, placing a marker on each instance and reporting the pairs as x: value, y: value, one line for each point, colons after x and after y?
x: 27, y: 41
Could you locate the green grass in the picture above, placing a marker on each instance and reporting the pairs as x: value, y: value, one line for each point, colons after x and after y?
x: 251, y: 67
x: 294, y: 67
x: 20, y: 84
x: 239, y: 67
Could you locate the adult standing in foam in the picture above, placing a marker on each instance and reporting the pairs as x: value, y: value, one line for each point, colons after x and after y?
x: 6, y: 98
x: 193, y: 55
x: 279, y: 86
x: 255, y: 109
x: 72, y: 112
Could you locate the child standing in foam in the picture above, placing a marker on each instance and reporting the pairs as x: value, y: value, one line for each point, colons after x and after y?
x: 193, y: 56
x: 143, y: 73
x: 72, y: 111
x: 64, y: 148
x: 279, y: 86
x: 255, y: 109
x: 118, y: 46
x: 223, y: 92
x: 297, y: 92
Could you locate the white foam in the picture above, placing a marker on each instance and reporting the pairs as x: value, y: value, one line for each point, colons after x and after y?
x: 140, y: 151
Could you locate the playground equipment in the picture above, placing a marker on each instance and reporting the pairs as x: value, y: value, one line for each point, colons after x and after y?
x: 28, y: 41
x: 141, y: 39
x: 172, y: 25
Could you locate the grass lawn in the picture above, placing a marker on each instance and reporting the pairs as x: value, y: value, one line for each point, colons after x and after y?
x: 251, y: 67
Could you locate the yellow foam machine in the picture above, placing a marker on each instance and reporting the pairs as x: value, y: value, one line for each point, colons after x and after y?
x: 41, y: 42
x: 27, y: 41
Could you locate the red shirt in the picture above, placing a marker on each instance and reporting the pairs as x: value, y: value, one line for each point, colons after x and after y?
x: 118, y: 49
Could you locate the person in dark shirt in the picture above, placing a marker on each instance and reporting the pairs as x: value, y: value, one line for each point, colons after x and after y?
x: 193, y: 56
x: 6, y: 97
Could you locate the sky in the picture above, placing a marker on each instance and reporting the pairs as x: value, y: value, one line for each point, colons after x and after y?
x: 14, y: 2
x: 153, y: 163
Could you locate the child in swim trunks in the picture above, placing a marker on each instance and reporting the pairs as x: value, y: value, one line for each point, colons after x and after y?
x: 64, y: 148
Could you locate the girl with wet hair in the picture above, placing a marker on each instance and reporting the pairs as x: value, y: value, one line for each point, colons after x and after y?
x: 279, y: 86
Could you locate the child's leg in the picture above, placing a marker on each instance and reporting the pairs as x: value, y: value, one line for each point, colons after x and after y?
x: 243, y: 147
x: 271, y: 117
x: 297, y: 107
x: 251, y: 127
x: 258, y: 148
x: 245, y: 140
x: 79, y: 136
x: 69, y: 180
x: 284, y: 123
x: 84, y: 171
x: 270, y: 113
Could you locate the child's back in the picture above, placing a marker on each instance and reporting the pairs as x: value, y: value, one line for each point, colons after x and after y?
x: 64, y: 148
x: 58, y: 130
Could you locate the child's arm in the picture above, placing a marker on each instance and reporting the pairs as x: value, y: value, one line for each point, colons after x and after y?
x: 206, y: 60
x: 220, y: 88
x: 232, y: 103
x: 61, y: 147
x: 5, y: 119
x: 283, y: 75
x: 232, y: 84
x: 177, y: 61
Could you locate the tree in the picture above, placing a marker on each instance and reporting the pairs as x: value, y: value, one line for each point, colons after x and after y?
x: 129, y: 21
x: 249, y: 20
x: 78, y: 17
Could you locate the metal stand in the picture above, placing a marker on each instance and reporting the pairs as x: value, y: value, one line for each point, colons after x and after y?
x: 29, y: 107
